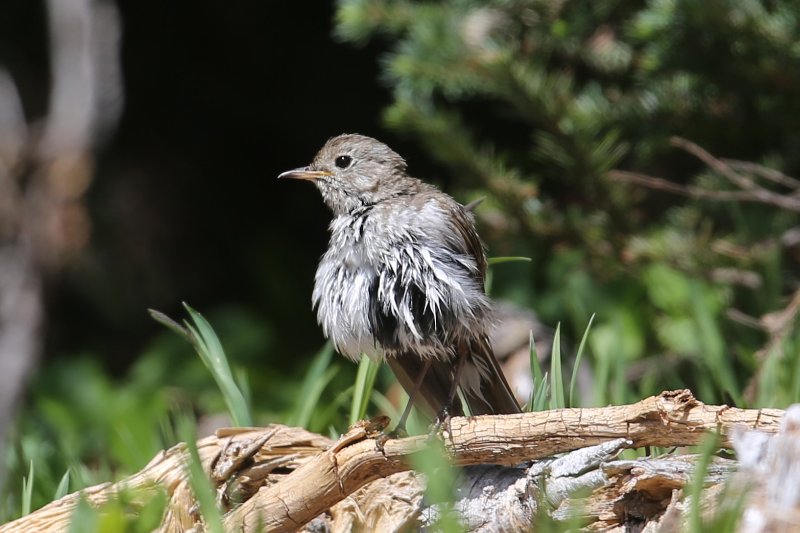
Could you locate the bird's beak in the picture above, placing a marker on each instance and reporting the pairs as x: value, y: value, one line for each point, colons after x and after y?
x: 305, y: 174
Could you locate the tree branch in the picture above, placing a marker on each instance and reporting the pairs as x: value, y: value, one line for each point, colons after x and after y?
x: 749, y: 189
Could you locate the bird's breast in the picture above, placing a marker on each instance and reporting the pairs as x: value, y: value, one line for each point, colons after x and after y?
x: 342, y: 291
x: 385, y: 286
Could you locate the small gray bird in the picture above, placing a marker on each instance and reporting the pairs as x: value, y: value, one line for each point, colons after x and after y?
x: 403, y: 279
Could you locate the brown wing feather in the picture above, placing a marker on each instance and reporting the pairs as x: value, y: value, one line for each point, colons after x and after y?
x: 494, y: 395
x: 464, y: 224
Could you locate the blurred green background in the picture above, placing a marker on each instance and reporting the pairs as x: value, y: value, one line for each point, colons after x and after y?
x: 562, y: 115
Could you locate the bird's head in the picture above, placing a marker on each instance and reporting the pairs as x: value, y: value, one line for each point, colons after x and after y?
x: 352, y: 171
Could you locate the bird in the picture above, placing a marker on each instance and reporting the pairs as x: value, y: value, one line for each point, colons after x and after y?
x: 402, y: 280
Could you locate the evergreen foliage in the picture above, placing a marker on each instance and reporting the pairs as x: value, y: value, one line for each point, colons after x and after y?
x: 537, y: 105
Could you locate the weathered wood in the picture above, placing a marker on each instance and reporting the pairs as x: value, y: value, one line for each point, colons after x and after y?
x: 287, y: 477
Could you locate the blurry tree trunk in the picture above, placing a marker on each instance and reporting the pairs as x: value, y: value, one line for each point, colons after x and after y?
x: 285, y: 479
x: 45, y: 170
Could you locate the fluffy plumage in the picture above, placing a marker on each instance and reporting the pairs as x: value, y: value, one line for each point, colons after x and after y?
x: 403, y: 276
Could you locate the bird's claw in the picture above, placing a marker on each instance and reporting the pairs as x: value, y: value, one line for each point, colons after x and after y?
x: 441, y: 424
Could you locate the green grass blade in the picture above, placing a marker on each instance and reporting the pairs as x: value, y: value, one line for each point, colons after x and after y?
x: 365, y: 381
x: 63, y: 486
x: 241, y: 379
x: 319, y: 374
x: 536, y: 372
x: 385, y: 406
x: 310, y: 402
x: 201, y: 335
x: 83, y: 518
x: 536, y: 366
x: 694, y: 490
x: 576, y: 366
x: 317, y: 370
x: 557, y: 399
x: 491, y: 261
x: 329, y: 414
x: 198, y: 479
x: 27, y: 491
x: 510, y: 259
x: 442, y: 478
x: 166, y: 321
x: 542, y: 394
x: 217, y: 362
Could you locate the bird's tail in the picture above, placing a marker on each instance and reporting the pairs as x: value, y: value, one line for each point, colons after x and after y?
x: 432, y: 395
x: 482, y: 384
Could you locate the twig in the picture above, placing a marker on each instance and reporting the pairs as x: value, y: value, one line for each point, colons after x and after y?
x: 750, y: 191
x: 757, y: 195
x: 714, y: 163
x: 676, y: 188
x: 756, y: 192
x: 767, y: 173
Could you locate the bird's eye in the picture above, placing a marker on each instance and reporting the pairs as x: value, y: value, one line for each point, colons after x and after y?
x: 343, y: 161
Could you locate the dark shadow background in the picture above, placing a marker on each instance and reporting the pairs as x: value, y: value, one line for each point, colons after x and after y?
x: 219, y: 98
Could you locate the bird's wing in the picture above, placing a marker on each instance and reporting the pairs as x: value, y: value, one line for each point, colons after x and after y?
x: 452, y: 243
x: 484, y: 386
x: 468, y: 240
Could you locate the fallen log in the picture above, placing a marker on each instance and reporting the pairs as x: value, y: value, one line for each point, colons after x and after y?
x: 280, y: 478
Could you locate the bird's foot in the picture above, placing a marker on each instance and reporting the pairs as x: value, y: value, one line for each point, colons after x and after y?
x: 441, y: 424
x: 397, y: 433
